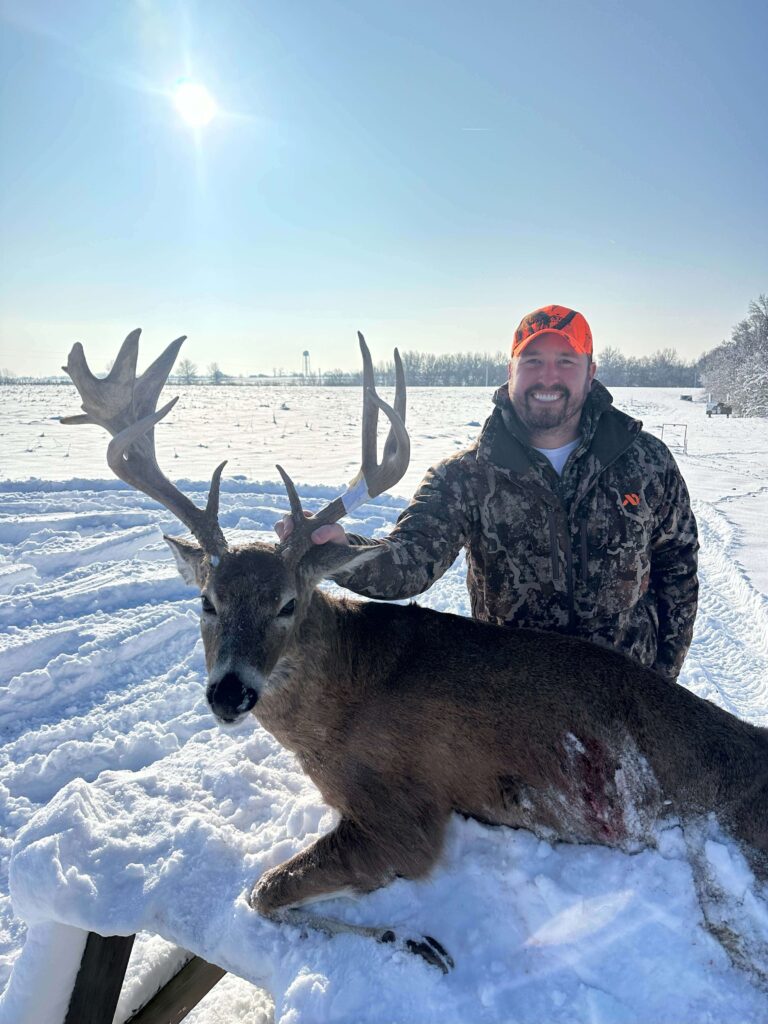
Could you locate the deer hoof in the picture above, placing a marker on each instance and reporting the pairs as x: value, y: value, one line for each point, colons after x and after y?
x: 426, y: 947
x: 429, y: 949
x: 266, y: 895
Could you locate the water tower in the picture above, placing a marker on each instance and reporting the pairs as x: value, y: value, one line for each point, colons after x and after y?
x: 305, y: 363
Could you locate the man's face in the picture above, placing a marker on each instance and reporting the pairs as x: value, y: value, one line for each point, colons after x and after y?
x: 549, y: 383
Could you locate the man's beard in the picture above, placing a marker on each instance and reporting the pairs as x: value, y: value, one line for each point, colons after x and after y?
x: 538, y: 416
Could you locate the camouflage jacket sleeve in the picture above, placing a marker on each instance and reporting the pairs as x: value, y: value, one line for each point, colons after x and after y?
x: 424, y: 543
x: 674, y: 548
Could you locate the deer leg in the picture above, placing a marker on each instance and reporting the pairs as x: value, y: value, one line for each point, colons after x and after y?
x: 347, y: 859
x: 427, y: 947
x: 735, y: 916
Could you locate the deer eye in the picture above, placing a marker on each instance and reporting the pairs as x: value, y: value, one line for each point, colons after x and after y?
x: 207, y: 605
x: 288, y: 609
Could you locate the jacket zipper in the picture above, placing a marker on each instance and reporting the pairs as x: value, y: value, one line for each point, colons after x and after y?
x: 568, y: 562
x: 583, y: 538
x: 569, y: 577
x: 553, y: 548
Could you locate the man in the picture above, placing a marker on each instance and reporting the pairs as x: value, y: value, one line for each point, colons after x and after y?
x: 573, y: 519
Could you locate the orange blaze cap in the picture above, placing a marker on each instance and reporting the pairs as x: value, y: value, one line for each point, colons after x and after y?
x: 554, y: 320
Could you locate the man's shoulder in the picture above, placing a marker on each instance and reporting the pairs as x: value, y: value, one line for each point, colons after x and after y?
x: 622, y: 431
x: 459, y: 463
x: 653, y: 450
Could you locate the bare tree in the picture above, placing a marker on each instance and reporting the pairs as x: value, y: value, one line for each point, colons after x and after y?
x: 215, y: 373
x: 187, y: 371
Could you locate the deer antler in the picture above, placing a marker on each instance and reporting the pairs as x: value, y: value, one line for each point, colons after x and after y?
x: 125, y: 406
x: 373, y: 478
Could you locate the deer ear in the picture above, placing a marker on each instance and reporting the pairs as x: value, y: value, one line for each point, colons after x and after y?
x: 323, y: 560
x: 188, y: 558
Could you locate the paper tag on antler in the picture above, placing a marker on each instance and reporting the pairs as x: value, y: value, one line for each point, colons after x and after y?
x: 355, y: 495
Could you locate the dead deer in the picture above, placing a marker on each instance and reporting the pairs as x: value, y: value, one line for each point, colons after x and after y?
x: 402, y: 715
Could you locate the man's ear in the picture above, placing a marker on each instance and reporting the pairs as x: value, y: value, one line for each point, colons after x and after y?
x: 323, y: 560
x: 188, y: 558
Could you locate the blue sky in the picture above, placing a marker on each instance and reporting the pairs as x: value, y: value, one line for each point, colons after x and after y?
x: 424, y: 171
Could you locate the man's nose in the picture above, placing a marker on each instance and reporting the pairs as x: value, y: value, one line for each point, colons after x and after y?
x: 550, y: 374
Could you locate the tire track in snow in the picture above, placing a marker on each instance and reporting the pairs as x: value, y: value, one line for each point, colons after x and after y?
x: 106, y: 587
x: 96, y: 673
x: 110, y: 658
x: 25, y: 650
x: 16, y: 528
x: 728, y: 660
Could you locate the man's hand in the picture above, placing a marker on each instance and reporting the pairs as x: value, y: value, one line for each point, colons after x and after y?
x: 322, y: 535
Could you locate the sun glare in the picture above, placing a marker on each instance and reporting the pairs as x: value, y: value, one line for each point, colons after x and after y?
x: 194, y: 103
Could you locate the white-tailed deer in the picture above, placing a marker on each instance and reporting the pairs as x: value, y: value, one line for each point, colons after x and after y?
x: 401, y: 715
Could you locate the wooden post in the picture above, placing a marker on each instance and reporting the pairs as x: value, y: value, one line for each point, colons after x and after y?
x: 99, y: 980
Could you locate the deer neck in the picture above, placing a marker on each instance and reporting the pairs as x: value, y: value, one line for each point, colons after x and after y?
x: 310, y: 688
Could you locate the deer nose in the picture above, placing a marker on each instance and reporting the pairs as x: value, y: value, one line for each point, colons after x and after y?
x: 230, y: 698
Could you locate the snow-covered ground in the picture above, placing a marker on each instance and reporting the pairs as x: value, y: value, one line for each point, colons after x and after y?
x: 102, y: 676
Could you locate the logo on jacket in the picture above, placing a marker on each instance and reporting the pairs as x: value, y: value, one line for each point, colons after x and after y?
x: 631, y: 499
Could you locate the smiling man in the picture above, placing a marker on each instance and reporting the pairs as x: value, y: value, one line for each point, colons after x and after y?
x: 573, y: 518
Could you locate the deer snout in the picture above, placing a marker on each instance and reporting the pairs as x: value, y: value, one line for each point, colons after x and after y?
x: 230, y: 697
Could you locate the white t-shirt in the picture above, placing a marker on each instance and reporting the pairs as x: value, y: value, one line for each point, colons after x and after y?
x: 559, y: 456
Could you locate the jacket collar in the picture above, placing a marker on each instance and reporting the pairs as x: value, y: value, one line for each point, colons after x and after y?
x: 606, y: 432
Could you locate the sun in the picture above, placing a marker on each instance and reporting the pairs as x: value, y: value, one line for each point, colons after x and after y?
x: 194, y: 103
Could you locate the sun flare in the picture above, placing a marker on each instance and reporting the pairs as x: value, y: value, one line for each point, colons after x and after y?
x: 194, y: 103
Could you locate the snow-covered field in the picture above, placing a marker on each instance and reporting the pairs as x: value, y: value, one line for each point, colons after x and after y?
x: 102, y: 677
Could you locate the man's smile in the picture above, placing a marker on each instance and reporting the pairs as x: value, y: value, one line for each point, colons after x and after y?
x: 547, y: 396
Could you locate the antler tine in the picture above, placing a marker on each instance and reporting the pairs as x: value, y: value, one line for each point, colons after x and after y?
x: 214, y: 491
x: 397, y: 448
x: 125, y: 406
x: 370, y: 409
x: 372, y: 479
x: 390, y: 445
x: 296, y: 510
x: 298, y: 540
x: 393, y: 465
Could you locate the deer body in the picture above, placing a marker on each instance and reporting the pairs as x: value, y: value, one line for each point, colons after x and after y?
x: 401, y: 715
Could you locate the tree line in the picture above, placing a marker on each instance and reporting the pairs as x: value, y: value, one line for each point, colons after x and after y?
x: 736, y: 371
x: 472, y: 369
x: 660, y: 369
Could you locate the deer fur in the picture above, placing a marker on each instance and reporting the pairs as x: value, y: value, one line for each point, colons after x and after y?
x: 402, y: 715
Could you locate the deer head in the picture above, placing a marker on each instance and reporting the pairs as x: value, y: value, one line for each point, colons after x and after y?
x: 254, y: 598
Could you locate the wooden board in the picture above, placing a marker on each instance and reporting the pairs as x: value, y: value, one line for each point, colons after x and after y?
x: 182, y: 993
x: 99, y: 980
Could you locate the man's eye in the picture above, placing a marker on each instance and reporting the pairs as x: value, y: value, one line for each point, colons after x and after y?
x: 288, y: 609
x: 207, y: 605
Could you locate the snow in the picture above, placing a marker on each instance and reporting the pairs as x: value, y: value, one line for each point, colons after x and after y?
x: 123, y: 807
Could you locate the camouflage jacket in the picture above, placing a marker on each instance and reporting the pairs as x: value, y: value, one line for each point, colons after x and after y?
x: 607, y: 551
